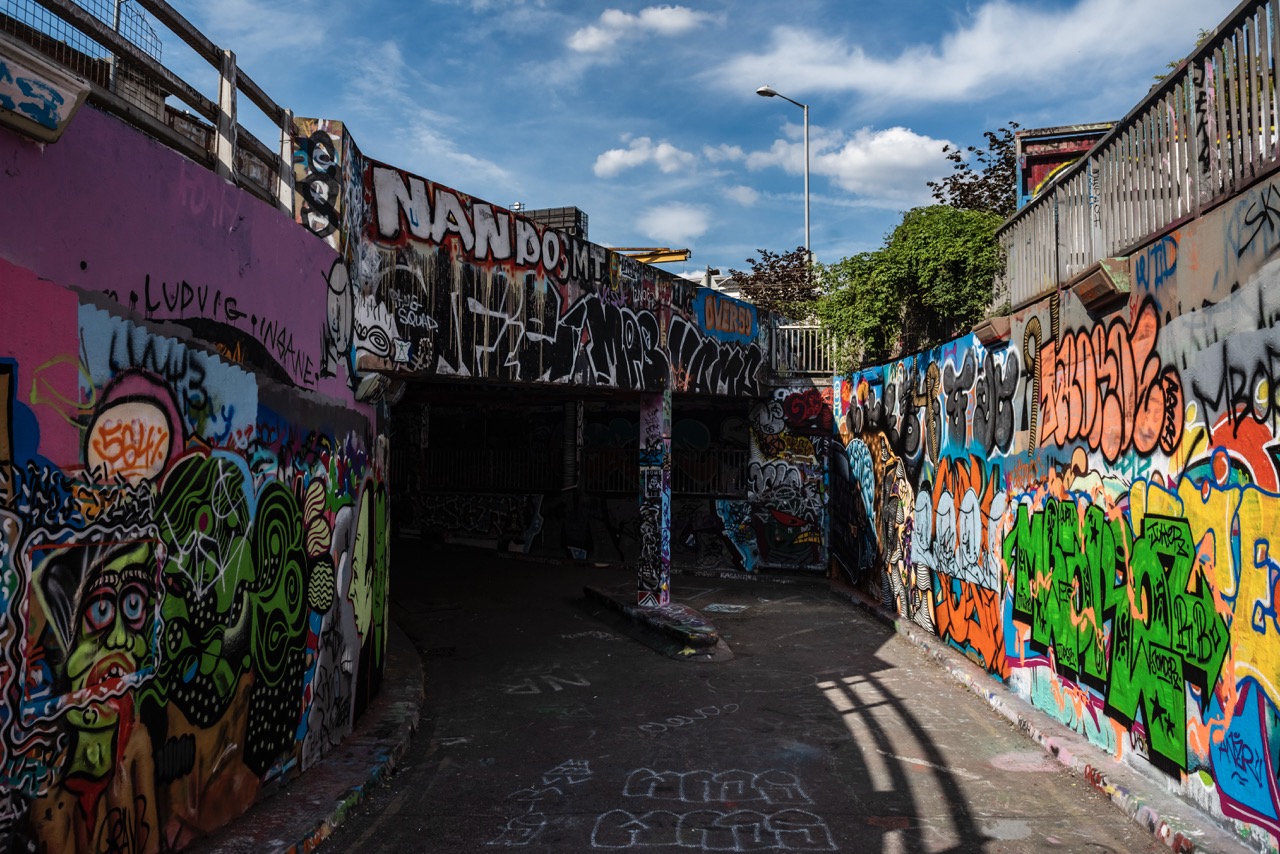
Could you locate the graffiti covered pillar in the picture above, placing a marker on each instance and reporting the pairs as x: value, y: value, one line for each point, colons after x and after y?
x: 653, y: 584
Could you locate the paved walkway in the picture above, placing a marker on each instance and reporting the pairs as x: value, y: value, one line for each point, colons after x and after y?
x: 555, y: 720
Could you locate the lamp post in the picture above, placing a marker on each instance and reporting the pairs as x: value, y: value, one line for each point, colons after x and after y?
x: 770, y: 92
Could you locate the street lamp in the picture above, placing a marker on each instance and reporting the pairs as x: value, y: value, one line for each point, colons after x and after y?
x: 769, y: 92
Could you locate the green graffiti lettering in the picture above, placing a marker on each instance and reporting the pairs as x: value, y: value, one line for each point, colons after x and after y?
x: 1071, y: 577
x: 1058, y: 568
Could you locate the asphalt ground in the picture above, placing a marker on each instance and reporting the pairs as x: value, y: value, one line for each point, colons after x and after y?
x: 554, y: 724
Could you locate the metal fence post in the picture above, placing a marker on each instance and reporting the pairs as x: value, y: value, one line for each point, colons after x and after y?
x: 225, y: 144
x: 284, y: 168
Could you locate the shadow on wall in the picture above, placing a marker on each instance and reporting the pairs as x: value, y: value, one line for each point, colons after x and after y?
x: 1087, y: 511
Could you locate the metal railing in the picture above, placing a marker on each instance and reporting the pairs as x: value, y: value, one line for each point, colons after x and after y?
x: 709, y: 471
x: 611, y: 470
x: 125, y: 19
x: 800, y: 348
x: 1202, y: 135
x: 115, y: 47
x: 491, y: 470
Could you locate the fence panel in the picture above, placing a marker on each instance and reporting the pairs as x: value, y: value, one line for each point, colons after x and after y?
x: 705, y: 471
x: 491, y: 470
x: 803, y: 349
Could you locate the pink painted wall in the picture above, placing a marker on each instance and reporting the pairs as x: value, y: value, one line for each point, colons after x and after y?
x: 37, y: 320
x: 108, y: 209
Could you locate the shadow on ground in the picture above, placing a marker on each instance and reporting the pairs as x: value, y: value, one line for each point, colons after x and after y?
x: 550, y: 726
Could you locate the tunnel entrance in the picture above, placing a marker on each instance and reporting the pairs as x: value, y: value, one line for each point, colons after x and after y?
x: 550, y: 473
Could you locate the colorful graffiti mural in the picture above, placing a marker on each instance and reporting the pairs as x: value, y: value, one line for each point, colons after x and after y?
x: 787, y: 479
x: 185, y: 605
x: 654, y: 561
x: 193, y: 533
x: 194, y: 506
x: 440, y: 284
x: 1088, y: 510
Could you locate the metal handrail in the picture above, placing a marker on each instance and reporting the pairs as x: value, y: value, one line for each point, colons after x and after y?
x: 490, y: 470
x: 803, y: 348
x: 703, y: 471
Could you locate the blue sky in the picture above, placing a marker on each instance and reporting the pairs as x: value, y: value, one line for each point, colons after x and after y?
x: 645, y: 115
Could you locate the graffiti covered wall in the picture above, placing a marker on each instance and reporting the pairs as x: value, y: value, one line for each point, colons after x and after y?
x: 439, y: 283
x: 1087, y: 510
x: 787, y: 479
x: 193, y: 547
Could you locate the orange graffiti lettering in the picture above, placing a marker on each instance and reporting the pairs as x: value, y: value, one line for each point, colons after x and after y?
x: 1107, y: 388
x: 725, y: 315
x: 234, y: 352
x: 970, y: 617
x: 133, y: 448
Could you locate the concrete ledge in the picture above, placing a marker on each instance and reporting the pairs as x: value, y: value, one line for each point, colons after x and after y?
x: 299, y: 816
x: 680, y: 622
x: 676, y: 631
x: 1180, y: 825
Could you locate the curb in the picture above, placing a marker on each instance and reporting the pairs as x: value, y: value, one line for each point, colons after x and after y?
x: 298, y: 816
x: 1176, y: 823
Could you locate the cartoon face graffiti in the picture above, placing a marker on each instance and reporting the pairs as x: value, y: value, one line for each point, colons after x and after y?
x: 96, y: 604
x: 114, y: 628
x: 205, y: 517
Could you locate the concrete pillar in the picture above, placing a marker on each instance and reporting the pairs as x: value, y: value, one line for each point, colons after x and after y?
x: 653, y: 584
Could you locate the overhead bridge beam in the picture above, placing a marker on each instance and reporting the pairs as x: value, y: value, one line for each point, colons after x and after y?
x: 654, y: 254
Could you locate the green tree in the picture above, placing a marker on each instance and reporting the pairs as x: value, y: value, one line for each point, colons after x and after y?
x: 781, y: 282
x: 931, y: 281
x: 982, y: 179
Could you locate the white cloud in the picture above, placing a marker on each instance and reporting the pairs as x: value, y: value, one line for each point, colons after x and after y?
x: 675, y: 224
x: 642, y: 150
x: 1001, y: 46
x: 379, y: 76
x: 892, y: 165
x: 614, y: 25
x: 888, y: 167
x: 433, y: 155
x: 743, y: 195
x: 670, y: 20
x: 592, y: 39
x: 722, y: 153
x: 504, y: 5
x: 253, y: 27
